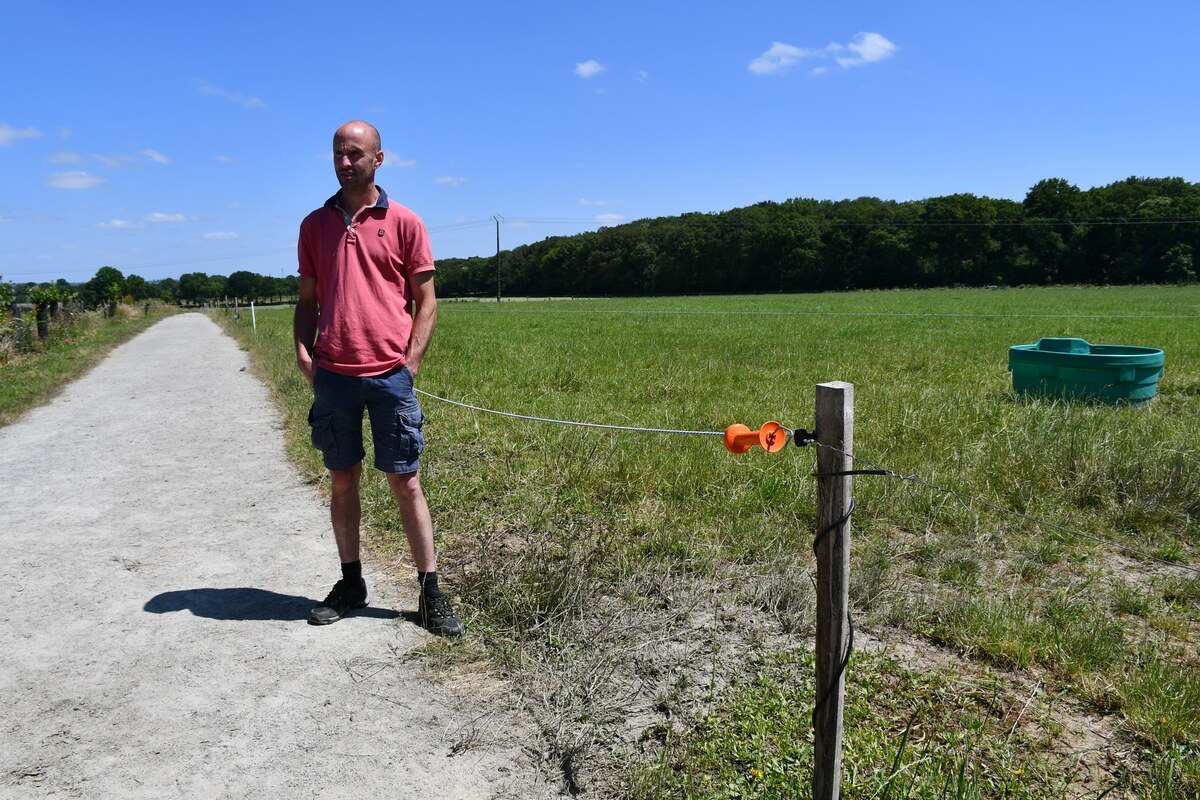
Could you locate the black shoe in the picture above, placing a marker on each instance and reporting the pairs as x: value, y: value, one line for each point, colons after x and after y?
x: 343, y: 598
x: 437, y: 615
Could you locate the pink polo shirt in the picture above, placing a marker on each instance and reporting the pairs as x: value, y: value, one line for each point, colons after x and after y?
x: 364, y: 269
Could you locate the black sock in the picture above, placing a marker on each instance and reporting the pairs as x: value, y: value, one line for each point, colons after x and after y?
x: 352, y: 571
x: 428, y: 581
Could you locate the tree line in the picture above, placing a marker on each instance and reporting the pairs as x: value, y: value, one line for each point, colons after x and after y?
x: 110, y: 285
x: 1140, y: 230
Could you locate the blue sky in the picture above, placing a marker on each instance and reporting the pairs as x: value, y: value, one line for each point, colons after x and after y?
x: 169, y: 138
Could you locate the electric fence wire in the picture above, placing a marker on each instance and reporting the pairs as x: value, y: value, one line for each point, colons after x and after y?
x: 569, y: 422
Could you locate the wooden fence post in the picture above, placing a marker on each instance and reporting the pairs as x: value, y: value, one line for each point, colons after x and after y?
x: 835, y: 428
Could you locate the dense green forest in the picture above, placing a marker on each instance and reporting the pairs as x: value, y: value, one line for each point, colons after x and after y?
x: 1140, y: 230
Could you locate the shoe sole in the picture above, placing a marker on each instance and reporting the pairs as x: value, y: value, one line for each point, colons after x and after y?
x: 313, y: 620
x: 441, y: 630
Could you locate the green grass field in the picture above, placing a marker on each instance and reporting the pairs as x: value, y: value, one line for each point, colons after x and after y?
x: 648, y: 596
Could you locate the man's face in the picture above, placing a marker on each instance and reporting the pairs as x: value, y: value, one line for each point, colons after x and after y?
x: 355, y: 159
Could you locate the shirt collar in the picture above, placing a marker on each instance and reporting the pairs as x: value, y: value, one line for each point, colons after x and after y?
x: 336, y: 200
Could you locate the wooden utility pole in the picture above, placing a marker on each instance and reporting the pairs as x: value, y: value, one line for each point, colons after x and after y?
x: 835, y: 428
x: 498, y: 219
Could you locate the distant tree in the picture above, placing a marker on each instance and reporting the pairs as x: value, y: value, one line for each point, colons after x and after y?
x: 107, y: 287
x: 288, y: 286
x: 244, y: 285
x: 193, y: 287
x: 218, y: 287
x: 1178, y: 266
x: 7, y: 293
x: 166, y: 290
x: 269, y: 288
x: 137, y: 288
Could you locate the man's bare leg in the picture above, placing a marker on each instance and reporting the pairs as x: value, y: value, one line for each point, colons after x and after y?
x: 345, y: 512
x: 414, y: 515
x: 437, y: 614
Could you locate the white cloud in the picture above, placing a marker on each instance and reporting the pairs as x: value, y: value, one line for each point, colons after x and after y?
x: 64, y: 157
x: 392, y: 159
x: 610, y: 218
x: 226, y: 159
x: 642, y: 76
x: 159, y: 216
x: 248, y: 101
x: 868, y: 48
x: 222, y: 235
x: 74, y: 180
x: 589, y: 69
x: 119, y: 223
x: 116, y: 162
x: 236, y: 204
x: 9, y: 134
x: 448, y: 181
x: 778, y: 58
x: 583, y: 201
x: 154, y: 155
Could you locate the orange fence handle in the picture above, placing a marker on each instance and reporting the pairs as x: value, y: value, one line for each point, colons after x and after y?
x: 771, y: 437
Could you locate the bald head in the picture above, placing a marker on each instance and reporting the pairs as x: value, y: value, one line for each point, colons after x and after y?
x: 362, y: 132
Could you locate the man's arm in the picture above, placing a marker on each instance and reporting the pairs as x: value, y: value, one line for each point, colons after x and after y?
x: 304, y: 325
x: 424, y: 319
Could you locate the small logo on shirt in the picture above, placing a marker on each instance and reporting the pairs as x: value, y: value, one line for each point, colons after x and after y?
x: 381, y: 231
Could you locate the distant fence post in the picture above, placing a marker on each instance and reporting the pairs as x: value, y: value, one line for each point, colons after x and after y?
x: 835, y: 428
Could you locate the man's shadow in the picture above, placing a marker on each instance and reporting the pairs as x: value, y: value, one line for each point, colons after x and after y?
x: 245, y: 604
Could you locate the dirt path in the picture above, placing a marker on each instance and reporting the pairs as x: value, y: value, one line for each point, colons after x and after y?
x: 159, y: 558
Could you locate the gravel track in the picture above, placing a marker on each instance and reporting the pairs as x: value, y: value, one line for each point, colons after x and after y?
x: 159, y: 559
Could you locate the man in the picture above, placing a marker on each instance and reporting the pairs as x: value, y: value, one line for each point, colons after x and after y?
x: 365, y: 264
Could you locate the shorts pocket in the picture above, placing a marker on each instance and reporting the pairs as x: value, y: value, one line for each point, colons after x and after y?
x: 410, y: 435
x: 322, y: 431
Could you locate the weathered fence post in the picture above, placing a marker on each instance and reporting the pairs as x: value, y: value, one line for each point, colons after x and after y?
x: 835, y: 428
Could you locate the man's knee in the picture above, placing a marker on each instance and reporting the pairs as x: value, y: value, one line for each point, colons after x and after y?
x: 405, y: 486
x: 345, y: 480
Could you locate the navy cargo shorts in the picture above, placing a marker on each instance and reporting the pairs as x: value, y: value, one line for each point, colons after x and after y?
x: 396, y: 419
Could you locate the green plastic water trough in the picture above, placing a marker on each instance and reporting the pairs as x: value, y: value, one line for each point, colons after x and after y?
x: 1073, y: 368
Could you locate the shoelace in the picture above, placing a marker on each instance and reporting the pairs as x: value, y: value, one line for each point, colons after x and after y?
x: 438, y: 606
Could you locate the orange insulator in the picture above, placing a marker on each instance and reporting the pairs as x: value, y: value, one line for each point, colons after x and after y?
x: 771, y: 437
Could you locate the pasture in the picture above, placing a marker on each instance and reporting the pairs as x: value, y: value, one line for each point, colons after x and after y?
x: 647, y: 597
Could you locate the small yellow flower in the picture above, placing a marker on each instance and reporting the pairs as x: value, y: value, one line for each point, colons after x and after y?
x: 1018, y: 772
x: 756, y: 773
